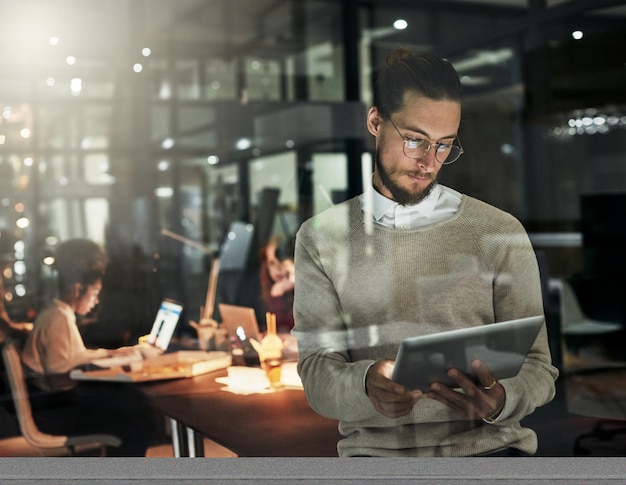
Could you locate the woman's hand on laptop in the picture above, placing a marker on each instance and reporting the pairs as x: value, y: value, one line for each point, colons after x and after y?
x: 122, y: 351
x: 480, y: 400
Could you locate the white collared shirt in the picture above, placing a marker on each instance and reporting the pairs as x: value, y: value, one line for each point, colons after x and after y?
x: 441, y: 204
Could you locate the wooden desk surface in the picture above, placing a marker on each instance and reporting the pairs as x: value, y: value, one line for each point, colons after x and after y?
x: 275, y: 424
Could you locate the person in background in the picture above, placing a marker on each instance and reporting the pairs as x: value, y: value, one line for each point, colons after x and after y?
x: 415, y: 258
x: 277, y: 279
x: 55, y: 347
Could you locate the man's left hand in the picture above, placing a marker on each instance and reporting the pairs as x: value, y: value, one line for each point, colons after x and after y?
x: 479, y: 401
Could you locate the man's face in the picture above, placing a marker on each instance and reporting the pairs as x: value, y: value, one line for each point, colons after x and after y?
x: 88, y: 299
x: 396, y: 176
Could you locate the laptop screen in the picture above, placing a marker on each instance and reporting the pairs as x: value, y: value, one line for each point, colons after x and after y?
x: 237, y: 318
x: 165, y: 324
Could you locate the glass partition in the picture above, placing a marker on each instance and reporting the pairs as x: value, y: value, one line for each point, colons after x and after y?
x: 197, y: 115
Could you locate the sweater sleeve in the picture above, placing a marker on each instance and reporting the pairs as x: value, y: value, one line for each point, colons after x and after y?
x: 333, y: 385
x: 517, y: 293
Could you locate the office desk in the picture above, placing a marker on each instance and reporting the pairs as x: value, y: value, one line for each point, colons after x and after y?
x: 274, y: 424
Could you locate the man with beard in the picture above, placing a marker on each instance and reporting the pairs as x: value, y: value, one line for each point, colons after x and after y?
x: 417, y: 258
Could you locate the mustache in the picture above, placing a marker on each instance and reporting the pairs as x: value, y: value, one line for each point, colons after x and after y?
x: 427, y: 175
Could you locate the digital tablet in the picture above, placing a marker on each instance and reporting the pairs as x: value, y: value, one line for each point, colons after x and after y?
x: 502, y: 347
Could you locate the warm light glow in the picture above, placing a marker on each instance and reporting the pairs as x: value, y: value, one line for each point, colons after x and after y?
x: 3, y: 139
x: 20, y: 290
x: 19, y: 267
x: 22, y: 222
x: 25, y: 133
x: 48, y: 260
x: 164, y: 192
x: 76, y: 86
x: 19, y: 207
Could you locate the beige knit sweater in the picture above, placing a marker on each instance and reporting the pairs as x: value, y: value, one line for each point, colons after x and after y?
x: 357, y: 295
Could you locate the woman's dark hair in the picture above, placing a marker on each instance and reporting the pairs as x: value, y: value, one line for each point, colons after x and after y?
x: 424, y: 74
x: 79, y: 261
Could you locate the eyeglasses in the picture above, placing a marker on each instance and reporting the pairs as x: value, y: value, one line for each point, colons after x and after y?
x: 417, y: 148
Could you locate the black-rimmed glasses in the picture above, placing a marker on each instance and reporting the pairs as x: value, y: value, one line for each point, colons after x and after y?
x: 417, y: 148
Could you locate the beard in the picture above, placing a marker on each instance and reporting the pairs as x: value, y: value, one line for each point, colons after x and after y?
x: 399, y: 194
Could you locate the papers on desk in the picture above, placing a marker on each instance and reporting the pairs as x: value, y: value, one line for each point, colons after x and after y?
x: 177, y: 365
x: 253, y: 380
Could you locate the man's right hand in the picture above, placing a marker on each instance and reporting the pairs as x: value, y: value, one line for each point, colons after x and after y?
x: 389, y: 398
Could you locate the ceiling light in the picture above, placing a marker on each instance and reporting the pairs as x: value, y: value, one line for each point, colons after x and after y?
x: 400, y: 24
x: 164, y: 192
x: 243, y: 144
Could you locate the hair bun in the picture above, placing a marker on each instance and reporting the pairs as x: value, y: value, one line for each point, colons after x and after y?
x: 398, y: 55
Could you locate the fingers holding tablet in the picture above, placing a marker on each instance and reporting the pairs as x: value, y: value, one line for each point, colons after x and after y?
x: 388, y: 398
x: 481, y: 398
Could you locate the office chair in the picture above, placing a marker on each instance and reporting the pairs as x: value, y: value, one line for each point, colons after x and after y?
x: 575, y: 323
x: 46, y: 444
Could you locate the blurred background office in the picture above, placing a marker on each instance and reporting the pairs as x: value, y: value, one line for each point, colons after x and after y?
x: 171, y: 130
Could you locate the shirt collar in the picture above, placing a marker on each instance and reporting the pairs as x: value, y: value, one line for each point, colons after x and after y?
x: 426, y: 207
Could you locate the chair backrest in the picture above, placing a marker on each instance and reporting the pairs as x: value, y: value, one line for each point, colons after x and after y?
x: 19, y: 392
x: 570, y: 308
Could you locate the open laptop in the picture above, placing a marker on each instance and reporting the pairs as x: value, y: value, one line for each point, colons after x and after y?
x: 501, y: 346
x: 150, y: 362
x: 157, y: 340
x: 237, y: 319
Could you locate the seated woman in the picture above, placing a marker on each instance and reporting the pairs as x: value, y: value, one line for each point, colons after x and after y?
x: 277, y: 280
x: 55, y: 347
